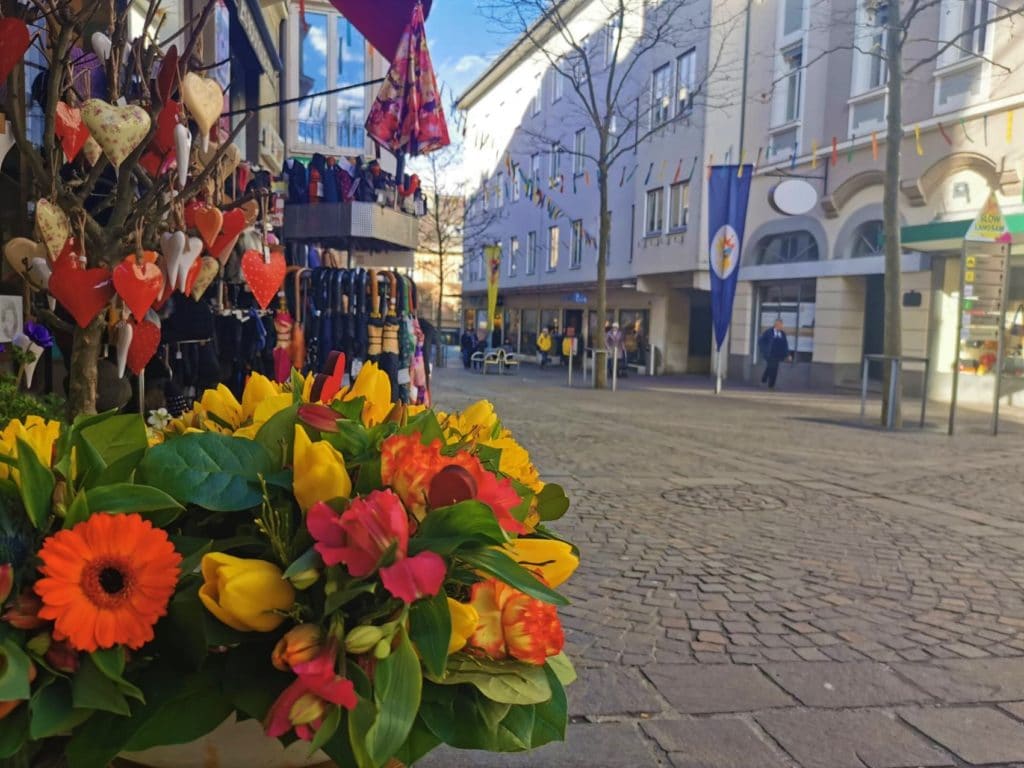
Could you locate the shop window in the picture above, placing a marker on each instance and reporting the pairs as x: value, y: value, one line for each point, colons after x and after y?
x: 555, y: 161
x: 516, y: 187
x: 868, y: 240
x: 787, y: 248
x: 530, y: 329
x: 634, y: 326
x: 549, y: 319
x: 793, y: 302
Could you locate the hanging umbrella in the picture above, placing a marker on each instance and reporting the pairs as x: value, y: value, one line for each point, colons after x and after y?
x: 407, y: 116
x: 381, y: 22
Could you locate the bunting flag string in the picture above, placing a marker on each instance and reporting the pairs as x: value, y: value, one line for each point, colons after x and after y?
x: 874, y: 145
x: 622, y: 176
x: 679, y: 169
x: 650, y: 170
x: 917, y: 141
x: 945, y: 136
x: 849, y: 151
x: 963, y: 125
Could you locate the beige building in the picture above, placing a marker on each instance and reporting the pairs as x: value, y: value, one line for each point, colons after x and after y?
x: 438, y: 269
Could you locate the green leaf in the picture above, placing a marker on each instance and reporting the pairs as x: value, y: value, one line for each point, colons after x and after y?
x: 187, y: 616
x: 78, y: 511
x: 117, y: 442
x: 427, y: 425
x: 210, y: 470
x: 14, y: 683
x: 360, y: 720
x: 552, y: 502
x: 111, y: 661
x: 185, y: 710
x: 52, y: 712
x: 253, y: 695
x: 298, y: 382
x: 192, y: 550
x: 501, y: 566
x: 351, y: 439
x: 14, y: 730
x: 152, y: 503
x: 465, y: 719
x: 506, y: 682
x: 338, y: 747
x: 96, y: 743
x: 397, y: 687
x: 551, y: 717
x: 277, y: 436
x: 489, y: 456
x: 342, y: 597
x: 350, y: 409
x: 37, y: 484
x: 308, y: 559
x: 369, y: 476
x: 515, y: 731
x: 91, y: 689
x: 448, y: 529
x: 421, y: 741
x: 327, y: 729
x: 430, y: 627
x: 563, y: 668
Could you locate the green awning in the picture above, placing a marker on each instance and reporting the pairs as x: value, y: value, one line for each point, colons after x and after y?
x: 949, y: 235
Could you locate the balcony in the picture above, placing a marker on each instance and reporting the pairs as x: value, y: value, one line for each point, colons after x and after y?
x: 353, y: 226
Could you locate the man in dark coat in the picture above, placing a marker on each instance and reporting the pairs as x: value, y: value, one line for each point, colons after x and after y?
x: 774, y: 347
x: 467, y: 344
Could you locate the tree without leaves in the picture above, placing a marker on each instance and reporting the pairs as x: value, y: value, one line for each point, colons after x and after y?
x: 605, y: 64
x: 904, y: 30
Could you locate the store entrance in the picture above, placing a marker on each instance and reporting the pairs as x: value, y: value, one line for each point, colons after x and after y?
x: 874, y: 322
x: 701, y: 330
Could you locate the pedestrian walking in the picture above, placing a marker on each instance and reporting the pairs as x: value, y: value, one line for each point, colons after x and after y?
x: 466, y: 344
x: 544, y: 343
x: 774, y: 347
x: 616, y: 347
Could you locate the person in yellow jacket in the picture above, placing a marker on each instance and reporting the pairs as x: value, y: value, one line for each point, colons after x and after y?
x: 544, y: 346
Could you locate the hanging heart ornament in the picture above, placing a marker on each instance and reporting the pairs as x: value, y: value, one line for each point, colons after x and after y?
x: 52, y: 225
x: 144, y: 342
x: 231, y: 229
x: 70, y: 129
x: 20, y: 251
x: 118, y: 130
x: 83, y: 292
x: 139, y: 283
x: 205, y: 101
x: 226, y: 165
x: 264, y: 277
x: 209, y: 220
x: 14, y: 42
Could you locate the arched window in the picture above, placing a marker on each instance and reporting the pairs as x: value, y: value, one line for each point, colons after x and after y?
x: 787, y: 248
x: 868, y: 240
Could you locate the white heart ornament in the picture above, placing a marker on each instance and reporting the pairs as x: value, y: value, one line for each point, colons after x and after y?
x: 193, y: 251
x: 53, y: 226
x: 25, y: 344
x: 101, y: 45
x: 118, y: 130
x: 183, y: 151
x: 6, y: 141
x: 205, y: 101
x: 38, y: 274
x: 20, y: 251
x: 172, y: 245
x: 124, y: 343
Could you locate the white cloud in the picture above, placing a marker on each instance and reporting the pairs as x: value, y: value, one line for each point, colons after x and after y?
x: 470, y: 63
x: 318, y: 39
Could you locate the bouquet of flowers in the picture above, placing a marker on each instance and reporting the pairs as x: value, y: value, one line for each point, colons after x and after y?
x: 372, y: 579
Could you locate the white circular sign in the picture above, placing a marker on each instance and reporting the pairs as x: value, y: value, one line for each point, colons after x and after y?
x: 793, y: 197
x: 725, y: 251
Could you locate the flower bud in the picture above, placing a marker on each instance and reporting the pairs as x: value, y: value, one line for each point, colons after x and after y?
x: 308, y: 708
x: 382, y: 649
x: 363, y: 639
x: 305, y: 579
x: 62, y: 657
x: 23, y: 613
x: 6, y: 581
x: 39, y: 644
x: 299, y: 644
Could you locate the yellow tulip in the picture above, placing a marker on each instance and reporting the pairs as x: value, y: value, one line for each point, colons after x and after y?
x: 319, y: 471
x: 257, y: 390
x: 464, y: 623
x: 515, y: 462
x: 551, y: 560
x: 245, y: 594
x: 223, y: 406
x: 373, y: 384
x: 264, y: 412
x: 40, y: 434
x: 478, y: 421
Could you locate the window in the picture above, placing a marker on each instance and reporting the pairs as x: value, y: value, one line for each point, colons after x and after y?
x: 661, y: 98
x: 535, y: 167
x: 579, y: 147
x: 792, y: 66
x: 556, y: 161
x: 557, y: 83
x: 538, y: 100
x: 869, y: 70
x: 966, y: 22
x: 552, y: 248
x: 787, y: 248
x: 655, y: 211
x: 516, y: 186
x: 486, y: 192
x: 499, y: 191
x: 685, y: 81
x: 332, y: 54
x: 868, y: 240
x: 513, y: 256
x: 612, y: 35
x: 476, y: 267
x: 576, y: 245
x: 679, y: 205
x: 531, y: 252
x: 792, y: 16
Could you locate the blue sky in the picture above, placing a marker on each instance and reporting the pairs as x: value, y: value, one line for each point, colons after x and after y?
x: 462, y: 43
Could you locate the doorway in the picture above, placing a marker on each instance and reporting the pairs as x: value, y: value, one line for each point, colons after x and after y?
x: 701, y: 330
x: 874, y: 322
x: 574, y: 320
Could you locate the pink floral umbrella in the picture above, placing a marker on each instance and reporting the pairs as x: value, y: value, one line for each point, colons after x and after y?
x: 407, y: 116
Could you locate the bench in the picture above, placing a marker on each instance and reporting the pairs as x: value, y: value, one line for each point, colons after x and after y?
x: 509, y: 361
x: 486, y: 359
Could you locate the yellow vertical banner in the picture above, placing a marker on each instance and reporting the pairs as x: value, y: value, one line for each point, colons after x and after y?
x: 814, y: 154
x: 917, y: 140
x: 492, y: 255
x: 1009, y: 126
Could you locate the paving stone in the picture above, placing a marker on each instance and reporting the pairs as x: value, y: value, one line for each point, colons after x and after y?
x: 697, y: 689
x: 978, y: 735
x: 613, y: 691
x: 609, y: 745
x: 969, y: 680
x: 831, y: 684
x: 849, y: 739
x: 1015, y: 708
x: 726, y: 742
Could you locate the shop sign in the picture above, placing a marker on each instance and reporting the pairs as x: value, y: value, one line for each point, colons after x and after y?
x: 990, y: 225
x: 271, y: 149
x: 576, y: 297
x: 793, y: 197
x: 252, y: 31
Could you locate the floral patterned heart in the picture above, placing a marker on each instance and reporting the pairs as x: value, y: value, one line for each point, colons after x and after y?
x: 118, y: 130
x: 205, y: 272
x: 230, y: 230
x: 83, y: 292
x: 209, y: 220
x: 14, y: 42
x: 205, y: 100
x: 144, y: 344
x: 93, y: 151
x: 70, y: 129
x: 53, y: 226
x: 139, y: 283
x: 226, y: 165
x: 264, y: 278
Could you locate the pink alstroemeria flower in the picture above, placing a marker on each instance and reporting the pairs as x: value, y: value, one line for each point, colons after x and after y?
x: 303, y: 704
x: 363, y: 533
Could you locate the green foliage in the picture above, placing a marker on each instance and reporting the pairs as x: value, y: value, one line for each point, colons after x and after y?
x: 16, y: 404
x: 37, y: 483
x: 506, y: 682
x: 450, y: 529
x: 396, y: 691
x: 430, y: 626
x: 503, y: 567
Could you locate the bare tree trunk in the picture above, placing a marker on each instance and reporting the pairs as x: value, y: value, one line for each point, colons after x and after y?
x: 604, y: 231
x: 439, y: 312
x: 82, y: 368
x: 891, y: 209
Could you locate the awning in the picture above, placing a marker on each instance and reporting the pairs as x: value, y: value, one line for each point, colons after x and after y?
x: 949, y: 235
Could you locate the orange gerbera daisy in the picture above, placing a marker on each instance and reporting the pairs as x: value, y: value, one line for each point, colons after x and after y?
x: 106, y: 581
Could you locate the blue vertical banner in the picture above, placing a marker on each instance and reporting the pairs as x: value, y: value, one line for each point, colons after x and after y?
x: 728, y: 193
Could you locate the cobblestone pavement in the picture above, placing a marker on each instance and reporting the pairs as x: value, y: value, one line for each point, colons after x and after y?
x: 767, y: 583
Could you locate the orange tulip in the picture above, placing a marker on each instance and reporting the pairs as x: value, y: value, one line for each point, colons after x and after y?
x: 514, y: 624
x: 299, y: 644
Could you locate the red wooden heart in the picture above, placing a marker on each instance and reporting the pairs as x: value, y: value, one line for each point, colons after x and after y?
x: 152, y: 162
x: 450, y: 486
x: 14, y: 42
x: 190, y: 278
x: 145, y: 342
x: 332, y: 383
x: 265, y: 278
x: 139, y: 284
x: 70, y: 129
x: 71, y: 252
x: 168, y: 75
x: 163, y: 137
x: 209, y: 221
x: 191, y: 209
x: 83, y: 292
x: 165, y: 293
x: 230, y: 229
